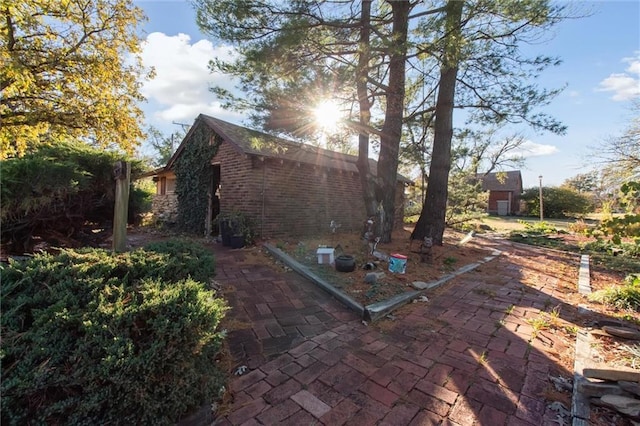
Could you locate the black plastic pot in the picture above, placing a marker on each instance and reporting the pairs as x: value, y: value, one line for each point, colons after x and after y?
x: 236, y: 241
x: 345, y: 263
x: 225, y: 232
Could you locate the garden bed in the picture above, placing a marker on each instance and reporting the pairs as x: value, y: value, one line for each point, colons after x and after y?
x: 445, y: 260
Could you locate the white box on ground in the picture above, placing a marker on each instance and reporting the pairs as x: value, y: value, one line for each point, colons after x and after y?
x: 325, y: 255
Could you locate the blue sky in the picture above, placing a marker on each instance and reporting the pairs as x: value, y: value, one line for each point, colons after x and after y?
x: 601, y: 69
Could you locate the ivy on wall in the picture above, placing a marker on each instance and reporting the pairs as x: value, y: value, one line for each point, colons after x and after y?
x: 193, y: 179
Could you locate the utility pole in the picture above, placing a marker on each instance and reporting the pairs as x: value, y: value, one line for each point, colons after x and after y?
x: 541, y: 210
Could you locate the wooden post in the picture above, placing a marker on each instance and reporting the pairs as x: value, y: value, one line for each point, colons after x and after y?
x: 122, y: 172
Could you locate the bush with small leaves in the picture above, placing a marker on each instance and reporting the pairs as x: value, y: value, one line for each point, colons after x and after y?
x: 557, y: 202
x: 91, y: 337
x: 59, y: 189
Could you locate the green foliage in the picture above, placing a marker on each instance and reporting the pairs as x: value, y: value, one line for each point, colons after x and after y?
x: 630, y: 192
x: 466, y: 200
x: 557, y: 202
x: 185, y: 260
x: 412, y: 208
x: 164, y: 146
x: 237, y: 223
x: 626, y: 296
x: 448, y: 263
x: 140, y: 199
x: 622, y: 233
x: 91, y: 337
x: 538, y: 234
x: 538, y: 228
x: 194, y: 175
x: 620, y: 227
x: 70, y: 69
x: 58, y: 188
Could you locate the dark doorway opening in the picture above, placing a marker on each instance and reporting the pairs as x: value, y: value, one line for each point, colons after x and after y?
x: 214, y: 198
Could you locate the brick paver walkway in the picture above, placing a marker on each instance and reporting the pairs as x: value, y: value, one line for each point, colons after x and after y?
x: 467, y: 356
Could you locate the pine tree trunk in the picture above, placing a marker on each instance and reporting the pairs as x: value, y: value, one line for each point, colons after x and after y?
x: 392, y: 128
x: 367, y: 181
x: 432, y: 219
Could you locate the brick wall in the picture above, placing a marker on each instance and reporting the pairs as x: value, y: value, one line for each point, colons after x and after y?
x: 239, y: 184
x: 288, y: 198
x: 303, y: 200
x: 495, y: 196
x: 283, y: 197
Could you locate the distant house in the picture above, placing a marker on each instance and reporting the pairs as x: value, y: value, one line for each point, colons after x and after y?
x: 285, y: 187
x: 505, y: 189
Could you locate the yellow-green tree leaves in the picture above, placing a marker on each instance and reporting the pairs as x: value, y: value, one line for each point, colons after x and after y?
x: 69, y: 69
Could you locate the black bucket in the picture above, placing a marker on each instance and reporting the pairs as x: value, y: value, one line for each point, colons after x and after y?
x: 345, y: 263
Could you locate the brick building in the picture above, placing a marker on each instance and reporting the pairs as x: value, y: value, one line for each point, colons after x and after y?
x: 505, y: 189
x: 286, y: 188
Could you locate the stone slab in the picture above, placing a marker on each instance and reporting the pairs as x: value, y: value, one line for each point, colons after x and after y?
x: 615, y: 375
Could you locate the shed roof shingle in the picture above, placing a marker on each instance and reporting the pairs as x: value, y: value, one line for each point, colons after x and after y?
x: 502, y: 181
x: 253, y: 142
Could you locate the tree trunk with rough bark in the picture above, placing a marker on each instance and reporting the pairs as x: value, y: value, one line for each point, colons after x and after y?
x: 432, y: 219
x: 392, y: 128
x: 380, y: 192
x: 367, y: 181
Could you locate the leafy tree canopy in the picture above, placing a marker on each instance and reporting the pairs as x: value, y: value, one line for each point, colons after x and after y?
x: 67, y: 72
x: 621, y: 154
x: 164, y: 146
x: 583, y: 182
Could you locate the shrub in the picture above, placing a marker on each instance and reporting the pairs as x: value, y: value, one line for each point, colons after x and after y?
x: 140, y: 200
x: 626, y: 296
x: 579, y: 227
x: 58, y: 188
x: 620, y: 249
x: 538, y: 228
x: 556, y: 202
x: 180, y: 259
x: 95, y: 338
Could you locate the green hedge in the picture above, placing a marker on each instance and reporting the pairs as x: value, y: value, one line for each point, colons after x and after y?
x: 94, y: 338
x: 557, y: 202
x: 61, y: 188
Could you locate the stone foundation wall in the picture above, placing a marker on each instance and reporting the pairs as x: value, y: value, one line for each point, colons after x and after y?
x: 165, y: 207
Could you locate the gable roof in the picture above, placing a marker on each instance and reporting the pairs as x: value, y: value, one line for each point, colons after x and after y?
x: 502, y: 181
x: 253, y: 142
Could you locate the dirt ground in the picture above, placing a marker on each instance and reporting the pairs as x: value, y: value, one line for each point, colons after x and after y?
x: 443, y: 260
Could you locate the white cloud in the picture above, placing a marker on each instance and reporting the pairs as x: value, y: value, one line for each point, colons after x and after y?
x: 180, y: 88
x: 625, y: 86
x: 532, y: 149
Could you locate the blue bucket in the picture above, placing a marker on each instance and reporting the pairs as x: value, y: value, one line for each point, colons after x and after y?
x: 397, y: 263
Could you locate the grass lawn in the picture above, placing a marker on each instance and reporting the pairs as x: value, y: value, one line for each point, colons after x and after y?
x: 514, y: 223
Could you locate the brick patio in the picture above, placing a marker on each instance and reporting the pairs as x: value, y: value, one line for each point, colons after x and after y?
x: 467, y: 356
